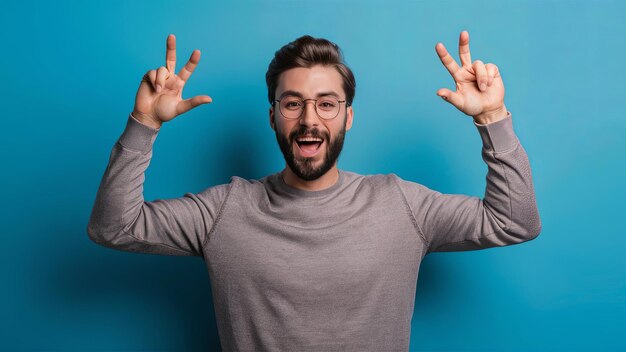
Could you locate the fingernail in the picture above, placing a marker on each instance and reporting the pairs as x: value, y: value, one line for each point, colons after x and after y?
x: 158, y: 88
x: 483, y: 86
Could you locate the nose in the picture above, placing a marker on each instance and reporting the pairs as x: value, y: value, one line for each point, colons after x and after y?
x: 309, y: 114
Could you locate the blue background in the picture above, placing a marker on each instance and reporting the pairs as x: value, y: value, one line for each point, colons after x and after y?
x: 70, y: 71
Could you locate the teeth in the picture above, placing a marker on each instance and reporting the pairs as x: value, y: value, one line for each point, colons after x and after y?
x: 309, y: 139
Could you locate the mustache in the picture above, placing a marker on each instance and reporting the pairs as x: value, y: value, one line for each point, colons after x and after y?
x: 304, y: 131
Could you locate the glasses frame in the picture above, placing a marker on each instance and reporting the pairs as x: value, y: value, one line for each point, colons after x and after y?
x: 304, y: 107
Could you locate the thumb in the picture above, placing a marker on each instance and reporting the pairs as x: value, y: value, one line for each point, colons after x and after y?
x: 451, y: 97
x: 188, y: 104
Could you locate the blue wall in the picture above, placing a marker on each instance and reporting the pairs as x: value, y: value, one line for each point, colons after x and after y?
x: 70, y: 71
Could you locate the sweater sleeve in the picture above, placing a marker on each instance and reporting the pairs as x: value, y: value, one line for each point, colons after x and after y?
x: 506, y: 215
x: 121, y: 219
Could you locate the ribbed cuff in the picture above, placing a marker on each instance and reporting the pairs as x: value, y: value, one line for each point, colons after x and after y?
x: 498, y: 136
x: 137, y: 136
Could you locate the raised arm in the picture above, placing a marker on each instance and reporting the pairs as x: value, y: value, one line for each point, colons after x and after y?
x: 120, y: 217
x: 507, y: 214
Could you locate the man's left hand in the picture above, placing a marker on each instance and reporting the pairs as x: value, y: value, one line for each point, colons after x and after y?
x: 479, y: 88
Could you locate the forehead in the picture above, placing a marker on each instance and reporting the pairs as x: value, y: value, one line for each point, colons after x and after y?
x: 310, y: 81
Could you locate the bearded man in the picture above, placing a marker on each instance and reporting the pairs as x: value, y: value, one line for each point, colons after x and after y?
x: 315, y: 258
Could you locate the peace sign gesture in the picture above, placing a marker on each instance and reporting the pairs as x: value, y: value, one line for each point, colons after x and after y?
x: 159, y: 97
x: 479, y: 88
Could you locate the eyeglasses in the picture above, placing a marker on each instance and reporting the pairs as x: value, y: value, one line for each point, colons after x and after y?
x: 291, y: 107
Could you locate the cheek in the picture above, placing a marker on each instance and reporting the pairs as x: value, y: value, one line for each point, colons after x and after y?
x: 283, y: 129
x: 336, y: 128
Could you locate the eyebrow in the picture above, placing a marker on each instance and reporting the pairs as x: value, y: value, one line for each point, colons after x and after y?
x: 298, y: 94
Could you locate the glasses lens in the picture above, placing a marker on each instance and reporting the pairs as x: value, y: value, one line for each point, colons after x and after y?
x: 327, y: 107
x: 291, y: 107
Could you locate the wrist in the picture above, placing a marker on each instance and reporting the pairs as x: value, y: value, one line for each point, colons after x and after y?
x: 147, y: 119
x: 491, y: 116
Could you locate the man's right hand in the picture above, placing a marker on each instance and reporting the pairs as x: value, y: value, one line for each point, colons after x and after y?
x: 159, y: 97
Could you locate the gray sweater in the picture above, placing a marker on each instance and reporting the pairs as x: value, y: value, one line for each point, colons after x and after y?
x: 329, y: 270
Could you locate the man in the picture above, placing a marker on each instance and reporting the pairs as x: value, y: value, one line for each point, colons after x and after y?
x: 315, y: 258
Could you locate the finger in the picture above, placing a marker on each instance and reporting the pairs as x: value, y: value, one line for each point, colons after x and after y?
x: 464, y: 51
x: 187, y: 70
x: 188, y: 104
x: 161, y: 73
x: 150, y: 78
x: 451, y: 97
x: 481, y: 75
x: 170, y: 53
x: 446, y: 59
x: 492, y: 72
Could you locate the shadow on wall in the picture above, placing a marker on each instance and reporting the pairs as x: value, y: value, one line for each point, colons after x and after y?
x: 243, y: 154
x: 172, y: 295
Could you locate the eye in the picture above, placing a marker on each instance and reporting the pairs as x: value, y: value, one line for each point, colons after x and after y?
x: 291, y: 103
x: 327, y: 104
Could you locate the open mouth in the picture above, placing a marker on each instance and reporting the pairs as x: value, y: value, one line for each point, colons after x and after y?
x: 309, y: 146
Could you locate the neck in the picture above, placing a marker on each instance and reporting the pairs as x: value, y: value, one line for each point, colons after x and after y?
x: 328, y: 179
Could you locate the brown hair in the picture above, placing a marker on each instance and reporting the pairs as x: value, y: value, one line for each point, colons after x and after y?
x: 306, y: 52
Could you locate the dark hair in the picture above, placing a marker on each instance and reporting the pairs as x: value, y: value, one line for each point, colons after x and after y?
x: 307, y: 51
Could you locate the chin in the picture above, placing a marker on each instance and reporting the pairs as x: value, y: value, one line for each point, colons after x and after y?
x: 304, y: 170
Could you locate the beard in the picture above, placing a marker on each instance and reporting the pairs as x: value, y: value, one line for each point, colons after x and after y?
x: 304, y: 167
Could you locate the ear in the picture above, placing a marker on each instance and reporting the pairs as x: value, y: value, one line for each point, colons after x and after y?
x: 350, y: 113
x: 272, y: 122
